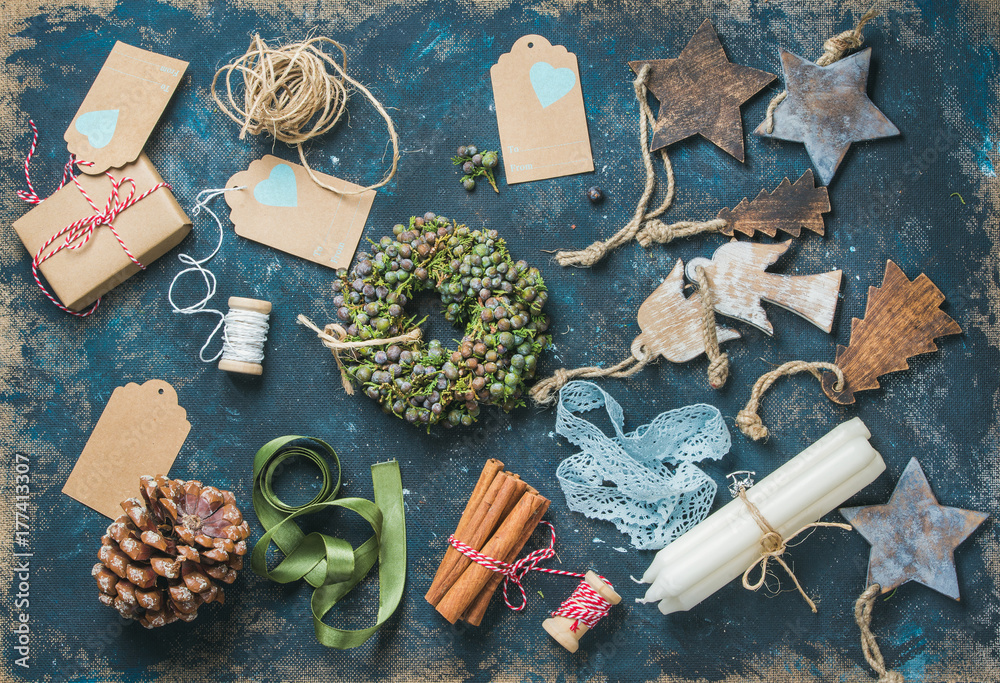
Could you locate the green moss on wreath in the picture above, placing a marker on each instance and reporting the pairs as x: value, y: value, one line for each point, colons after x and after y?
x: 498, y: 300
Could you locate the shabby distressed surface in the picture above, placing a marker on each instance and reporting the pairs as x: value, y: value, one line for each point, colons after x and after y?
x: 934, y: 74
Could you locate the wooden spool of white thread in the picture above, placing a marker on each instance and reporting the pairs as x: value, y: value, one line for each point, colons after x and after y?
x: 253, y: 306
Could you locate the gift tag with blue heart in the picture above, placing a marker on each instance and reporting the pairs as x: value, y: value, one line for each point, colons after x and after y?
x: 279, y: 205
x: 122, y: 107
x: 540, y: 114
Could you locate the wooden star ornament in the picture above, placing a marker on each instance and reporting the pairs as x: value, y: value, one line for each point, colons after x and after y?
x: 827, y: 108
x: 913, y: 537
x: 701, y: 92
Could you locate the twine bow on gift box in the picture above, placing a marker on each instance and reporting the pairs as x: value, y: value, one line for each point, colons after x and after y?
x: 77, y: 234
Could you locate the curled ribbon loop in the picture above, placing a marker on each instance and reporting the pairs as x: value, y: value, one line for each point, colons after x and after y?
x: 329, y: 564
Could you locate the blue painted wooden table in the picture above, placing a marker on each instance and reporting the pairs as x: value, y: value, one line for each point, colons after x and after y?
x: 930, y: 200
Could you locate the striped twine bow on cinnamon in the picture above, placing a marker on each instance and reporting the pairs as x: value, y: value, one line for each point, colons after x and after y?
x: 78, y: 233
x: 585, y: 606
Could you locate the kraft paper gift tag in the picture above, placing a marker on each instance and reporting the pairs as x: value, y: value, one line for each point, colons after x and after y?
x: 141, y: 431
x: 539, y: 103
x: 283, y: 208
x: 122, y: 107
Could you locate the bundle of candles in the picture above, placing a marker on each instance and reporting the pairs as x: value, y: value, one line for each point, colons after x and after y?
x: 730, y: 541
x: 498, y: 520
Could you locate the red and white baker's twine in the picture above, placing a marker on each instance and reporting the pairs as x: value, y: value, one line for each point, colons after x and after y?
x: 78, y: 233
x: 585, y: 606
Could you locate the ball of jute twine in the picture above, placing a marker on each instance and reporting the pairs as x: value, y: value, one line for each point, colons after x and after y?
x: 834, y: 49
x: 291, y: 93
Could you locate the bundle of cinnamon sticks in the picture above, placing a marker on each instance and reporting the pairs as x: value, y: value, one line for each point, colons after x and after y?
x: 498, y: 520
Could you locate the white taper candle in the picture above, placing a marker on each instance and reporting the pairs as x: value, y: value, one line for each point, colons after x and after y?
x: 800, y: 492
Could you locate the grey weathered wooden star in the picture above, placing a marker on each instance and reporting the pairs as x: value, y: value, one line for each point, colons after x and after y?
x: 827, y: 108
x: 913, y: 538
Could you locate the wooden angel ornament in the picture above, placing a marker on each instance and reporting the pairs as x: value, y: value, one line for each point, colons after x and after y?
x: 902, y: 319
x: 733, y: 283
x: 739, y: 283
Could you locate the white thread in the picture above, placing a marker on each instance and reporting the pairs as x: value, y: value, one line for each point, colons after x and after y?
x: 244, y: 336
x: 196, y: 265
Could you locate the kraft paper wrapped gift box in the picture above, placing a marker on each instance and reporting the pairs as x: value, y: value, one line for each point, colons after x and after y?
x: 150, y: 228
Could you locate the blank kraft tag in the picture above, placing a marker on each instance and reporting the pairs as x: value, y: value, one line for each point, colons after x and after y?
x: 122, y: 107
x: 141, y: 431
x: 283, y: 208
x: 540, y: 114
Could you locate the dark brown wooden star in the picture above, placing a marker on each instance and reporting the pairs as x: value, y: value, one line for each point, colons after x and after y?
x: 913, y: 537
x: 701, y: 92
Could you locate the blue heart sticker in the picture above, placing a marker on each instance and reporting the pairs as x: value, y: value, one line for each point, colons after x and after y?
x: 550, y: 84
x: 98, y: 126
x: 279, y: 189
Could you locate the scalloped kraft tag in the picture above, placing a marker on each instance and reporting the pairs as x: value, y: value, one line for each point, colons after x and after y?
x: 141, y: 431
x: 283, y: 208
x: 540, y: 114
x: 122, y: 107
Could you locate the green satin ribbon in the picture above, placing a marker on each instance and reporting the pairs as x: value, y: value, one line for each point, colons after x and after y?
x: 328, y: 564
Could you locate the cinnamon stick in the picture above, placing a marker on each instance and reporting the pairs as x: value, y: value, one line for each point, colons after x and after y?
x: 475, y: 577
x: 475, y: 612
x: 486, y: 479
x: 504, y: 492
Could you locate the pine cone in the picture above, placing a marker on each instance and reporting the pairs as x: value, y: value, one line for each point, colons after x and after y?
x: 163, y: 559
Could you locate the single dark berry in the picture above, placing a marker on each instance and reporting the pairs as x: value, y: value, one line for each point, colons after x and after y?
x: 595, y: 195
x: 463, y: 151
x: 490, y: 160
x: 469, y: 184
x: 472, y: 150
x: 477, y: 160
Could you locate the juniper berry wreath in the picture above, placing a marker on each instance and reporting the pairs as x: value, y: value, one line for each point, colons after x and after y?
x: 498, y: 300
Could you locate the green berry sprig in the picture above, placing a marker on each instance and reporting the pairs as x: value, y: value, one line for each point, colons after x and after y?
x: 475, y: 164
x: 496, y: 299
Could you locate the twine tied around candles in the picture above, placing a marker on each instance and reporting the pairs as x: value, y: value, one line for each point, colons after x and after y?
x: 333, y: 338
x: 645, y: 225
x: 863, y: 617
x: 773, y: 546
x: 749, y: 421
x: 834, y: 49
x: 288, y: 92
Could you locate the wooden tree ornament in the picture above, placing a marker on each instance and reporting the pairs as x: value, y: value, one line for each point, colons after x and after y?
x: 739, y: 282
x: 902, y: 319
x: 789, y: 208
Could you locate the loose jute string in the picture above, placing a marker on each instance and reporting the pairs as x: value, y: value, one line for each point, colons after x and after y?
x: 333, y: 338
x: 834, y: 49
x: 749, y: 421
x: 644, y: 225
x: 718, y: 366
x: 773, y: 546
x: 545, y: 391
x: 289, y: 93
x: 863, y: 617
